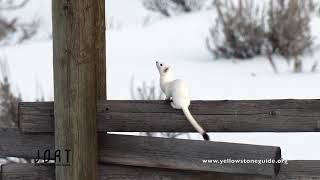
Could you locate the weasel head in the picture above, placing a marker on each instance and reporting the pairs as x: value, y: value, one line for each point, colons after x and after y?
x: 164, y: 69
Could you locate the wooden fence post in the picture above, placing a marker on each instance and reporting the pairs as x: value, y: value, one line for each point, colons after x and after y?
x: 79, y: 79
x: 100, y: 44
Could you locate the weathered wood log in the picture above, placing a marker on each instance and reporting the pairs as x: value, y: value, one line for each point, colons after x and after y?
x: 15, y: 144
x: 27, y: 171
x: 214, y: 116
x: 188, y: 154
x: 301, y: 168
x: 100, y: 46
x: 117, y: 172
x: 295, y: 170
x: 155, y: 152
x: 79, y: 80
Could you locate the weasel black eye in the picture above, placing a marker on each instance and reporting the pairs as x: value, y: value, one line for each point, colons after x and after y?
x: 160, y: 64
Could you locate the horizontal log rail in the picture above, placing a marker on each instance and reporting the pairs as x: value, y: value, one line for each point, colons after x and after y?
x: 152, y: 152
x: 215, y: 116
x: 295, y: 170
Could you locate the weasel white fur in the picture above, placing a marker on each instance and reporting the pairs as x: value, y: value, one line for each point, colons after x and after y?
x: 177, y: 92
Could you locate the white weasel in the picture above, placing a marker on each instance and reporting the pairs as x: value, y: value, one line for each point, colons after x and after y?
x: 177, y: 92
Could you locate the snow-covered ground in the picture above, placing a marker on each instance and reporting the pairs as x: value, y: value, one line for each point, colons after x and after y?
x: 133, y: 49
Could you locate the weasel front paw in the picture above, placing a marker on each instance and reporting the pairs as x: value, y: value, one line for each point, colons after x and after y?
x: 169, y: 99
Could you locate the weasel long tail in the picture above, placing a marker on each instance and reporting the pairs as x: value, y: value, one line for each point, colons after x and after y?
x: 195, y: 124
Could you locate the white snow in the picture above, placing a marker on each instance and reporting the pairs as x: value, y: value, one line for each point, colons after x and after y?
x: 31, y: 69
x: 34, y: 10
x: 133, y: 50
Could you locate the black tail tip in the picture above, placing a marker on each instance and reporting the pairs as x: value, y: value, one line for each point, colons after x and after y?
x: 205, y: 137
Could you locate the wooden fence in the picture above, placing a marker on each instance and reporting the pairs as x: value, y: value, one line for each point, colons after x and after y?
x: 215, y: 116
x: 132, y: 157
x: 80, y: 117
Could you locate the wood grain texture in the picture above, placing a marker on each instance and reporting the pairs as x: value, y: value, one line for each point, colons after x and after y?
x: 15, y: 144
x: 100, y: 47
x: 301, y: 167
x: 121, y: 172
x: 214, y: 116
x: 153, y: 152
x: 79, y: 80
x: 186, y: 154
x: 27, y: 172
x: 117, y: 172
